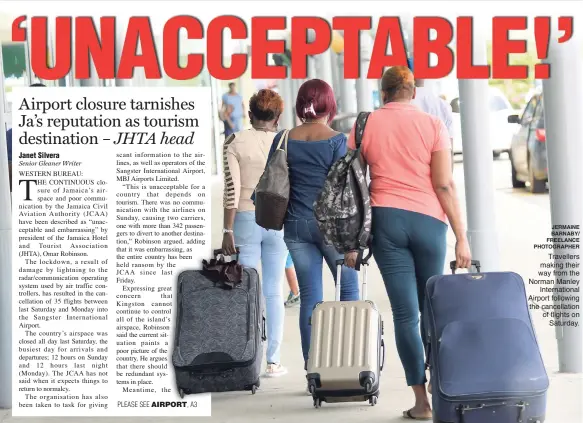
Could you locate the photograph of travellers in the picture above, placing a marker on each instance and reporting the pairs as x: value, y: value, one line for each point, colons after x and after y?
x: 250, y: 212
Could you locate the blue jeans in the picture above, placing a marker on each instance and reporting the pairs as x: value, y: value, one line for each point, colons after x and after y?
x: 409, y: 248
x: 257, y: 244
x: 237, y: 123
x: 307, y: 249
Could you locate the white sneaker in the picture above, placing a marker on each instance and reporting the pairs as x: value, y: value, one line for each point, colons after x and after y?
x: 292, y: 300
x: 275, y: 370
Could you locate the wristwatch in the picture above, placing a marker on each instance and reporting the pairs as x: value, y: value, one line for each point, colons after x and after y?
x: 227, y: 231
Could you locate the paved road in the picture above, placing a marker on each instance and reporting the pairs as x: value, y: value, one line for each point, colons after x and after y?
x: 503, y: 183
x: 522, y: 220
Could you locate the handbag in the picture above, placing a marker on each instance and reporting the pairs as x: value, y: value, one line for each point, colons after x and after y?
x: 272, y: 191
x: 225, y: 274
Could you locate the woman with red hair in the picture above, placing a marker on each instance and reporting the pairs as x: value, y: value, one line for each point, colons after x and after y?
x: 244, y: 157
x: 312, y: 149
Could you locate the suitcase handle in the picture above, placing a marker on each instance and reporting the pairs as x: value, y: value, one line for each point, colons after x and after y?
x: 383, y: 357
x: 219, y: 252
x: 359, y: 260
x: 453, y: 265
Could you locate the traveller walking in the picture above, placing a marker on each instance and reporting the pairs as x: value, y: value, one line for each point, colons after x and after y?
x: 413, y: 195
x: 434, y: 105
x: 312, y: 149
x: 226, y: 118
x: 244, y: 158
x: 234, y: 99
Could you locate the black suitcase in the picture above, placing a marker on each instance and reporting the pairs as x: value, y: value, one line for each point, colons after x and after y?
x: 483, y: 355
x: 218, y: 341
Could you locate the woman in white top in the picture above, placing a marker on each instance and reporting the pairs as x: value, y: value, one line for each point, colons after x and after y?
x: 244, y: 158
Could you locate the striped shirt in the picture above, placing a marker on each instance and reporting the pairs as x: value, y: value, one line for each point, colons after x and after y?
x: 244, y: 158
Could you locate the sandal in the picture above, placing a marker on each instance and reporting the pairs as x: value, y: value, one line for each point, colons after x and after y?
x: 407, y: 415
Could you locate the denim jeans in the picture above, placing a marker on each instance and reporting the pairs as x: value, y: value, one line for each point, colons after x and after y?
x: 307, y: 250
x: 409, y: 248
x: 258, y: 244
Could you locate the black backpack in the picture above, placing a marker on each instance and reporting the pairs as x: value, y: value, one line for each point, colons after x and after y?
x: 342, y: 209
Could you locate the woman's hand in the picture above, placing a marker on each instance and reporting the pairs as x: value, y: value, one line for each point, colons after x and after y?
x: 350, y: 259
x: 229, y: 244
x: 463, y: 256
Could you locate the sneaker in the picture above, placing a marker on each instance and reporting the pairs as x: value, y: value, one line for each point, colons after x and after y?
x: 292, y: 300
x: 275, y: 370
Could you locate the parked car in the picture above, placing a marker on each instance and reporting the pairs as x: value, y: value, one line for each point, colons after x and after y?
x: 528, y: 150
x: 500, y: 130
x: 343, y: 122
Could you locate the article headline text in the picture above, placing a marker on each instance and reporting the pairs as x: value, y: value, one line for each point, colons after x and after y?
x: 309, y: 36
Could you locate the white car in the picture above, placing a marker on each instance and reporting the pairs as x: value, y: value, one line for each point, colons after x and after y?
x: 501, y: 131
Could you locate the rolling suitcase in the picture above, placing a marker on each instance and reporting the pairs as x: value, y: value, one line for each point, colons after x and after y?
x: 218, y: 342
x: 347, y: 351
x: 482, y: 351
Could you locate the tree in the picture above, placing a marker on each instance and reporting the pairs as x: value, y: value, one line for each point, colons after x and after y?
x: 516, y: 90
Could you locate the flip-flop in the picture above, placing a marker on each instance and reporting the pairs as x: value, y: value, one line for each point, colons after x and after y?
x: 407, y: 415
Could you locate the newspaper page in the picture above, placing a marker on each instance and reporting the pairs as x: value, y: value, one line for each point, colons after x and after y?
x: 135, y: 136
x: 110, y: 204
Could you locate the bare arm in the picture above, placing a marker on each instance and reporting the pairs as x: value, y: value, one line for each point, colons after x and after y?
x: 232, y: 180
x: 229, y: 218
x: 231, y: 194
x: 444, y: 186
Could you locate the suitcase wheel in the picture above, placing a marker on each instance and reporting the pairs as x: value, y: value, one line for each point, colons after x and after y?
x: 312, y: 388
x: 368, y: 385
x: 181, y: 393
x: 373, y: 400
x: 253, y: 389
x: 317, y: 403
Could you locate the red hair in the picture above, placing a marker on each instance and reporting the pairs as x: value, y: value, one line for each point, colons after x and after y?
x: 315, y: 100
x: 266, y: 105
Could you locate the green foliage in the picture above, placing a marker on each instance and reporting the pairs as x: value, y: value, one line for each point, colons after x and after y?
x: 517, y: 90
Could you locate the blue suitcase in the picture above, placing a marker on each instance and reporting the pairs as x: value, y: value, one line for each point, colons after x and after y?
x: 482, y: 352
